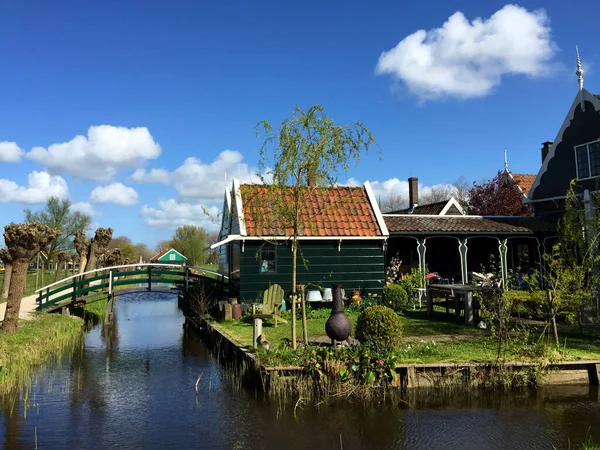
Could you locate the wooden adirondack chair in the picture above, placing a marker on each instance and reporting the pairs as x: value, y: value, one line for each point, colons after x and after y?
x: 272, y: 300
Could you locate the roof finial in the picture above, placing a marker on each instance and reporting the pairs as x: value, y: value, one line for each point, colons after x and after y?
x: 505, y: 162
x: 579, y: 74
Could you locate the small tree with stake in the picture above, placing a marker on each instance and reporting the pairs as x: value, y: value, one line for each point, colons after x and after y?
x: 307, y: 150
x: 23, y: 242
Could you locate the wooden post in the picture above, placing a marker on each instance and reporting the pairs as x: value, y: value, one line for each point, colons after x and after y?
x: 186, y: 278
x: 149, y: 278
x: 74, y: 293
x: 257, y: 331
x: 108, y: 315
x: 300, y: 289
x: 110, y: 282
x: 228, y: 313
x: 429, y: 302
x: 594, y: 374
x: 468, y: 307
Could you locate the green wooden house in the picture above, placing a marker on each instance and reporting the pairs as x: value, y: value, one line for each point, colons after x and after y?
x: 343, y: 241
x: 171, y: 256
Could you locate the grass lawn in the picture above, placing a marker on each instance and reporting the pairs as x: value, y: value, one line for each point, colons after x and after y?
x: 31, y: 285
x: 36, y: 341
x: 428, y: 340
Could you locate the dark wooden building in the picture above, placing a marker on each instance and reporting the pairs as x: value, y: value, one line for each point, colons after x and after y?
x: 342, y: 241
x: 574, y: 155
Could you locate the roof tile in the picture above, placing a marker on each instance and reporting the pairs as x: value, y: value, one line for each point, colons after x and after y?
x: 524, y: 181
x: 470, y: 224
x: 326, y: 211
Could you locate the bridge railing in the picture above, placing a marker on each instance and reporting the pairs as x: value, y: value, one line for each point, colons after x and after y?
x: 109, y: 278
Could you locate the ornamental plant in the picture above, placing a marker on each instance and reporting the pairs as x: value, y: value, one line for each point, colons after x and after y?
x: 395, y: 297
x: 379, y: 328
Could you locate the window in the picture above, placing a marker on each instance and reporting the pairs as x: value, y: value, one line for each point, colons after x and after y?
x: 172, y: 257
x: 587, y: 159
x: 267, y: 259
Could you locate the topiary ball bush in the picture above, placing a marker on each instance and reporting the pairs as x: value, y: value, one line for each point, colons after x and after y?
x: 395, y: 297
x: 380, y: 328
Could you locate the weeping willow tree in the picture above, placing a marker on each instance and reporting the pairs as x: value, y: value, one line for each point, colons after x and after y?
x: 306, y: 151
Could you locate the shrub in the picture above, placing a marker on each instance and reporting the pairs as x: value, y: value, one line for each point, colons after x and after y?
x: 380, y: 328
x: 395, y: 296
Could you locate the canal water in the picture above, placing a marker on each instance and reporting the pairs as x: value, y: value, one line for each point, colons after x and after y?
x: 135, y: 389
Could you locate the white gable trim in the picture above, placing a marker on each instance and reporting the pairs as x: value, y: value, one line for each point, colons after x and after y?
x: 172, y: 250
x: 583, y: 96
x: 451, y: 202
x: 375, y: 206
x: 238, y: 205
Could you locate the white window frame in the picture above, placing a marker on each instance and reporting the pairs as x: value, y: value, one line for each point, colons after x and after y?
x: 267, y: 272
x: 172, y: 257
x: 587, y: 145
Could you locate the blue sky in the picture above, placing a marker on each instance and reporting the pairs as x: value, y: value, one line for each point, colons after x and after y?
x: 148, y: 84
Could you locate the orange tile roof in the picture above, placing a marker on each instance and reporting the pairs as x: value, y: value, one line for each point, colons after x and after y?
x: 524, y: 181
x: 159, y: 255
x: 324, y: 211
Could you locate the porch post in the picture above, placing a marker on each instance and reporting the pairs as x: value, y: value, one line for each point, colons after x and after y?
x: 421, y: 249
x: 503, y: 248
x: 462, y: 250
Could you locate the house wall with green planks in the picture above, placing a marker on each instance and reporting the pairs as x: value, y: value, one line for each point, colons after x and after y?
x: 359, y: 264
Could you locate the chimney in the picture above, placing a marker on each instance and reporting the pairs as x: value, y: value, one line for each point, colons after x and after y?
x: 545, y: 149
x: 413, y: 192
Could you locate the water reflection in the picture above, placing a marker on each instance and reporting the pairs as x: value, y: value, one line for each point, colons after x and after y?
x: 133, y: 386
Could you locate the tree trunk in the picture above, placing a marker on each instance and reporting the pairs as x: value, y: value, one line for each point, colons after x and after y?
x: 6, y: 280
x: 57, y: 274
x: 304, y: 324
x: 294, y: 293
x: 555, y: 329
x: 15, y: 294
x: 82, y: 263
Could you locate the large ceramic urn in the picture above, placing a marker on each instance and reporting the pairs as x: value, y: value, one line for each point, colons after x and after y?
x: 338, y: 326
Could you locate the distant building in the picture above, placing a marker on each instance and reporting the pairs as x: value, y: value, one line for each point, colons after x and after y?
x: 171, y: 256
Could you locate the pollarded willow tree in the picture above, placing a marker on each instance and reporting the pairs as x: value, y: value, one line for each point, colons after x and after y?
x: 7, y: 261
x: 90, y: 251
x: 308, y: 150
x: 23, y: 242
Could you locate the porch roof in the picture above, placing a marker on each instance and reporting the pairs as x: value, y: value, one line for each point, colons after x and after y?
x: 410, y: 224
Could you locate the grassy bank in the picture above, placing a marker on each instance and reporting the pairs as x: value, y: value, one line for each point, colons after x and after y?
x: 95, y: 308
x: 37, y: 341
x: 435, y: 341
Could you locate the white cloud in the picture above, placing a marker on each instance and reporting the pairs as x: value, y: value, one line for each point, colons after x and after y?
x: 40, y: 186
x: 468, y: 59
x: 116, y: 193
x: 198, y: 181
x: 99, y: 155
x: 153, y: 176
x: 171, y: 214
x: 10, y: 152
x: 84, y: 208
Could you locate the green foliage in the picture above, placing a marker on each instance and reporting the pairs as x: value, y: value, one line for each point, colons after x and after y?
x: 395, y: 297
x: 532, y: 304
x: 57, y: 214
x: 190, y: 241
x: 380, y: 328
x: 355, y: 365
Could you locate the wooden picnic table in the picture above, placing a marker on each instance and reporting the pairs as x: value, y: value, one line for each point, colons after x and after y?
x: 455, y: 291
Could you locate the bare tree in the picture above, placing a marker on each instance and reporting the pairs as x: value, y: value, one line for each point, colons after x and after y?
x: 394, y: 202
x: 23, y: 242
x: 97, y: 247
